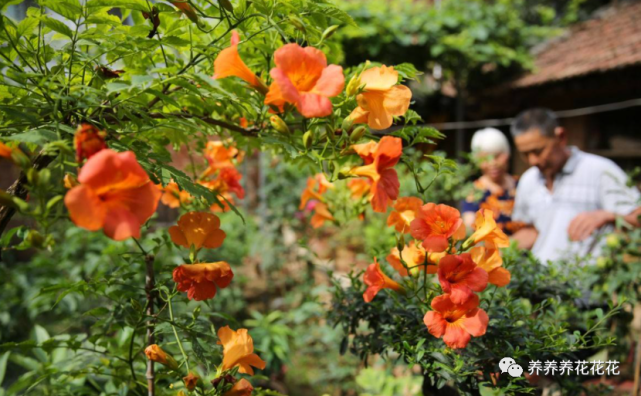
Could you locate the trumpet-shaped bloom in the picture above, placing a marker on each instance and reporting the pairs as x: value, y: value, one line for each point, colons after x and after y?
x: 366, y: 151
x: 198, y: 229
x: 227, y: 181
x: 191, y: 380
x: 456, y: 323
x: 219, y: 156
x: 228, y: 63
x: 88, y: 140
x: 413, y: 255
x: 461, y: 277
x: 316, y: 186
x: 435, y: 224
x: 486, y: 230
x: 490, y: 260
x: 240, y: 388
x: 385, y: 184
x: 359, y: 188
x: 381, y: 99
x: 200, y: 281
x: 321, y: 215
x: 156, y: 354
x: 238, y: 350
x: 404, y: 213
x: 173, y: 196
x: 114, y: 194
x: 303, y: 78
x: 376, y: 281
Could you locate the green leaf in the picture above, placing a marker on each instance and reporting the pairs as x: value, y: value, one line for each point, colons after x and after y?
x: 3, y: 365
x: 69, y: 9
x: 140, y: 5
x: 336, y: 13
x: 36, y: 136
x: 57, y: 26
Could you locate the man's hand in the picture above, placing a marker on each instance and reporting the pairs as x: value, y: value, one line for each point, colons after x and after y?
x: 584, y: 224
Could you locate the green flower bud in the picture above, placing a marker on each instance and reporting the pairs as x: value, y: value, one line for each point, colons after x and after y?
x: 279, y: 125
x: 329, y: 32
x: 308, y: 139
x: 353, y: 85
x: 358, y: 133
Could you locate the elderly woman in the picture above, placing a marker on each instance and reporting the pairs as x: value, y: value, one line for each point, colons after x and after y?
x: 491, y: 150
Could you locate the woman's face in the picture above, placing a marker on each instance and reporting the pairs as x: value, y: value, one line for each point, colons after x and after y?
x: 494, y: 166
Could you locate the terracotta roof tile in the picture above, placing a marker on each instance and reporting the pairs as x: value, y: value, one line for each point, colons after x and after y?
x: 611, y: 40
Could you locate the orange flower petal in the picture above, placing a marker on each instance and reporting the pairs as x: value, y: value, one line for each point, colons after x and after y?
x: 500, y: 277
x: 85, y: 208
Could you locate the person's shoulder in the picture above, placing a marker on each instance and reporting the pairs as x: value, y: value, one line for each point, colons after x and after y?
x: 596, y: 162
x: 528, y: 177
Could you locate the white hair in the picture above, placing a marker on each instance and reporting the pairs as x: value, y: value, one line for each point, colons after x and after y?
x: 491, y: 141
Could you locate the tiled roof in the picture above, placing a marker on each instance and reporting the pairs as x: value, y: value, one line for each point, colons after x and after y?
x: 611, y: 40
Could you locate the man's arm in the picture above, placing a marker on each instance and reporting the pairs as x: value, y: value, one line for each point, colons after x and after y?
x: 584, y: 224
x: 525, y: 237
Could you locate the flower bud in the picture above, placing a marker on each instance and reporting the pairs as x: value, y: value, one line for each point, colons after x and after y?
x: 400, y: 243
x: 358, y: 133
x: 329, y: 32
x: 353, y: 86
x: 415, y: 272
x: 347, y: 124
x: 298, y: 23
x: 191, y: 380
x: 308, y: 139
x: 155, y: 354
x: 279, y: 125
x: 70, y: 181
x: 35, y: 238
x: 88, y: 140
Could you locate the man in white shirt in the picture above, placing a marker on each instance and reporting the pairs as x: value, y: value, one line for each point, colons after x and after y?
x: 568, y: 198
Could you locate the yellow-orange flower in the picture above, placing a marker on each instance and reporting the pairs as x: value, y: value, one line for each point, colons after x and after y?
x: 382, y: 98
x: 88, y: 140
x: 414, y: 257
x: 359, y: 188
x: 240, y: 388
x: 228, y: 63
x: 381, y: 172
x: 173, y: 196
x: 316, y: 186
x: 191, y: 380
x: 490, y: 260
x: 114, y: 194
x: 238, y: 350
x: 156, y: 354
x: 303, y: 78
x: 366, y: 151
x: 404, y: 213
x: 456, y: 323
x: 198, y: 229
x: 201, y: 281
x: 321, y: 215
x: 486, y: 230
x: 376, y: 281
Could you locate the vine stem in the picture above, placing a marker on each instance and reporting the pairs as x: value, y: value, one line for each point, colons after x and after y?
x: 180, y: 345
x: 150, y: 284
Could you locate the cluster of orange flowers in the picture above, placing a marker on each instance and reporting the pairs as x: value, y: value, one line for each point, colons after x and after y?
x: 303, y: 79
x: 238, y: 351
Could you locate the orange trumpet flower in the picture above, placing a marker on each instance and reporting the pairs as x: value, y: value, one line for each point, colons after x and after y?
x: 376, y: 281
x: 191, y: 380
x: 486, y: 230
x: 173, y: 197
x: 238, y: 350
x: 316, y: 186
x: 200, y: 281
x: 303, y: 78
x: 5, y: 151
x: 414, y: 256
x: 198, y: 229
x: 461, y: 277
x: 359, y: 188
x: 381, y: 99
x: 435, y: 224
x: 114, y: 194
x: 156, y: 354
x: 385, y: 184
x: 490, y: 260
x: 228, y: 63
x: 404, y: 213
x: 321, y: 215
x: 456, y: 323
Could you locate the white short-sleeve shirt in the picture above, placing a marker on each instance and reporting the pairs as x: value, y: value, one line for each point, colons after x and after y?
x: 587, y: 182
